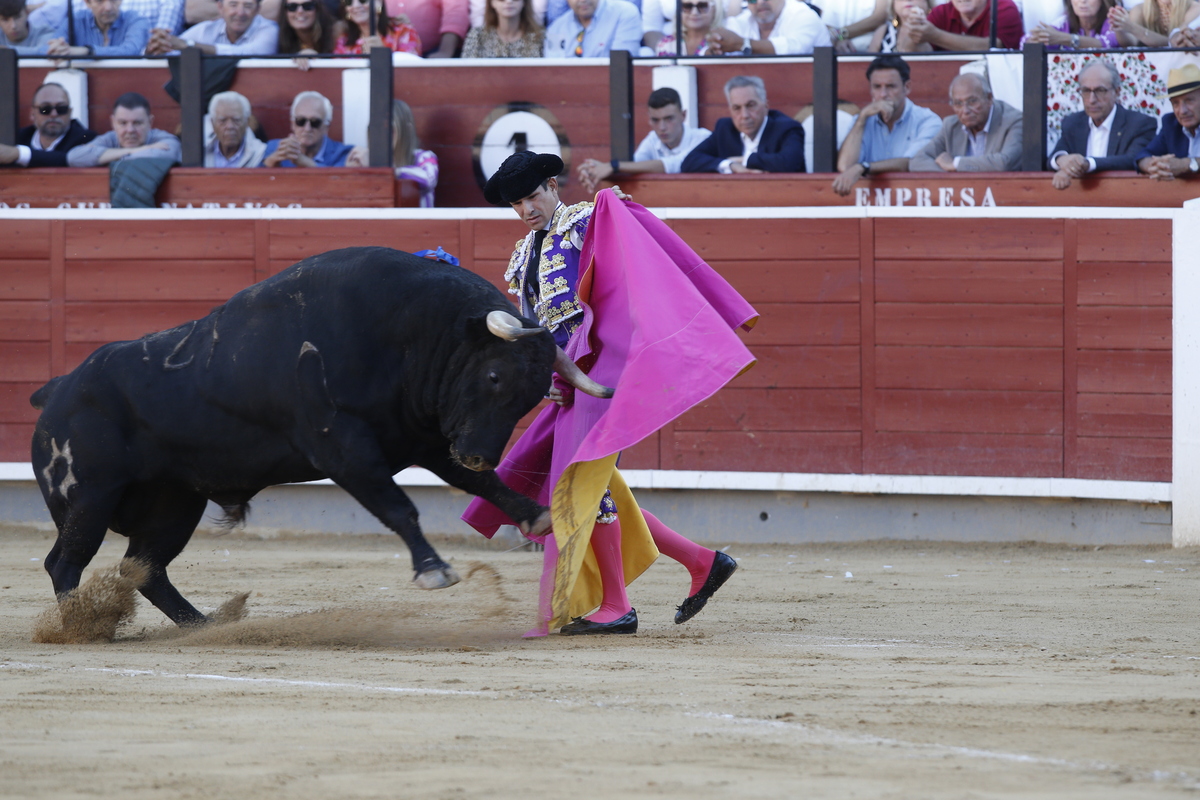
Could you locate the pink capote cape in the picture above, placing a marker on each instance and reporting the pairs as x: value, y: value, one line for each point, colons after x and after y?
x: 659, y: 328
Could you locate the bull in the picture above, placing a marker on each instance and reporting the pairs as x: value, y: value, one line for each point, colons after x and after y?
x: 350, y: 365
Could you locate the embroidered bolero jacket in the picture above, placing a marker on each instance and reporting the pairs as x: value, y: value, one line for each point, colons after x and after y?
x: 546, y: 281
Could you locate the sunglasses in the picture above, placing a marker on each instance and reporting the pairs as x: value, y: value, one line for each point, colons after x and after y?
x: 292, y: 8
x: 312, y: 122
x: 62, y: 108
x: 700, y: 8
x: 357, y: 2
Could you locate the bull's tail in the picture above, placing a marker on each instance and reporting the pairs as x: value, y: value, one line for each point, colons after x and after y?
x: 39, y: 398
x: 234, y: 516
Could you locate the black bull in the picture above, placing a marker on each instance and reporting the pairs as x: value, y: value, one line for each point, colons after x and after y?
x: 349, y: 365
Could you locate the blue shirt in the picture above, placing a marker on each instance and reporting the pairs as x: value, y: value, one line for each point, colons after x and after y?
x: 260, y: 39
x: 331, y: 154
x: 915, y: 128
x: 127, y: 36
x: 556, y: 8
x: 617, y: 25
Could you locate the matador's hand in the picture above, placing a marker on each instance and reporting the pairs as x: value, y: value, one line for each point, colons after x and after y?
x: 621, y: 195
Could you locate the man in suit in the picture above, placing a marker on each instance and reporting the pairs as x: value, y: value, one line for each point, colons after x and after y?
x: 1104, y: 135
x: 983, y: 134
x: 45, y: 143
x: 1173, y: 153
x: 752, y: 138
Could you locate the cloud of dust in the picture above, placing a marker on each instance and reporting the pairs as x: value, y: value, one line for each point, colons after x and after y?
x: 96, y: 610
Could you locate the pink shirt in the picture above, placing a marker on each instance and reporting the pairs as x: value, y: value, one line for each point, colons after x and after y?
x: 432, y: 18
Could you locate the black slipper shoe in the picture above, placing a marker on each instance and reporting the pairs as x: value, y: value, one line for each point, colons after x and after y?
x: 582, y: 627
x: 723, y: 566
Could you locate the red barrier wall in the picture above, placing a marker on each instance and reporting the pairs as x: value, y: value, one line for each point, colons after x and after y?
x: 965, y: 346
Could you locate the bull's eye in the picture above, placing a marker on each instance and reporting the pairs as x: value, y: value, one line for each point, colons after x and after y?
x: 493, y: 377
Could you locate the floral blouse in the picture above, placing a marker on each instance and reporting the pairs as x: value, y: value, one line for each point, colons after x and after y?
x: 666, y: 47
x: 402, y: 38
x: 486, y: 43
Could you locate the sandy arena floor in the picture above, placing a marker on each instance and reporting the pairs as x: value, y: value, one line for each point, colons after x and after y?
x: 883, y: 670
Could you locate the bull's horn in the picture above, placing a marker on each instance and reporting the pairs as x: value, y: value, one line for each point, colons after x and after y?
x: 573, y: 375
x: 508, y: 327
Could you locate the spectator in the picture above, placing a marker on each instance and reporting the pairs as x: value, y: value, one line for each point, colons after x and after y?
x: 239, y: 31
x: 309, y: 145
x: 851, y: 22
x: 408, y: 159
x: 396, y: 34
x: 751, y: 139
x: 477, y: 8
x: 53, y: 133
x: 102, y: 29
x: 594, y: 28
x: 1104, y: 135
x: 663, y: 149
x: 658, y: 20
x: 896, y: 35
x: 1174, y: 150
x: 510, y: 30
x: 133, y: 135
x: 441, y: 24
x: 967, y: 25
x: 232, y: 143
x: 983, y: 134
x: 305, y: 29
x: 17, y: 33
x: 699, y: 19
x: 160, y: 14
x: 1152, y: 22
x: 771, y: 27
x: 889, y: 131
x: 1086, y: 25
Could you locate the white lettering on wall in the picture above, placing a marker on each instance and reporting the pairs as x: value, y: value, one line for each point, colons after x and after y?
x: 923, y: 196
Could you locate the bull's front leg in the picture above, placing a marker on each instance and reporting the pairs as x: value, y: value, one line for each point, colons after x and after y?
x: 531, y: 517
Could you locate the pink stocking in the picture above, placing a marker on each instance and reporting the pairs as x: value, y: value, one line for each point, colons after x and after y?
x: 697, y: 559
x: 606, y: 544
x: 546, y: 588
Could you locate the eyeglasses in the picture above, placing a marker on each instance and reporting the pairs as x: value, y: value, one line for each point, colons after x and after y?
x: 970, y: 102
x: 292, y: 8
x: 312, y: 122
x: 699, y: 8
x: 1099, y: 93
x: 579, y: 43
x: 61, y: 108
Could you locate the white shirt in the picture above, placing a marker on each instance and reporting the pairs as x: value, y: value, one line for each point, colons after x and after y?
x: 797, y: 31
x: 25, y: 151
x: 844, y: 13
x: 1097, y: 143
x: 749, y: 148
x: 652, y: 148
x: 977, y: 142
x: 260, y: 39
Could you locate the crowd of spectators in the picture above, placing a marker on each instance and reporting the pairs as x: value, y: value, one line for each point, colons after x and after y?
x: 584, y: 28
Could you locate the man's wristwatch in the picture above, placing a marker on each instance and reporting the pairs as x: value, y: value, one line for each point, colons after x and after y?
x: 1193, y: 165
x: 746, y: 50
x: 866, y: 167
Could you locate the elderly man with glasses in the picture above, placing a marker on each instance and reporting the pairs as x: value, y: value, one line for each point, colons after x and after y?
x: 1104, y: 135
x: 309, y: 145
x: 239, y: 31
x: 769, y: 28
x: 594, y: 28
x: 982, y: 135
x: 53, y: 133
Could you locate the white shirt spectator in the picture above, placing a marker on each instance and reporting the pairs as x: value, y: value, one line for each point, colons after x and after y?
x: 844, y: 13
x: 797, y: 31
x: 260, y: 39
x: 749, y: 148
x: 1097, y: 143
x: 659, y: 15
x: 653, y: 149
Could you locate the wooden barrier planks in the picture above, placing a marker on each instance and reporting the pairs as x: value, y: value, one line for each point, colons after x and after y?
x: 25, y: 329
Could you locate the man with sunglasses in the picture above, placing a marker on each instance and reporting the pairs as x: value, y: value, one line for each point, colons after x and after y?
x: 53, y: 133
x: 309, y: 145
x: 17, y: 32
x: 1102, y: 136
x: 768, y: 28
x: 594, y: 28
x: 239, y: 31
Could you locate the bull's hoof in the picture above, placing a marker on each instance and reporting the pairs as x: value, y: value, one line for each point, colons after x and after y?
x: 538, y: 526
x: 437, y: 578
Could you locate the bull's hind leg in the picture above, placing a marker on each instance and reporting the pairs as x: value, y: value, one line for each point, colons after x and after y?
x: 159, y: 524
x: 82, y: 525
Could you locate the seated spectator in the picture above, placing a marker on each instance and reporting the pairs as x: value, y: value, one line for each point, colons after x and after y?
x: 166, y: 14
x: 1086, y: 25
x: 133, y: 135
x: 309, y: 145
x: 441, y: 24
x: 232, y: 143
x: 102, y: 29
x: 17, y: 33
x: 770, y: 27
x: 982, y: 135
x: 408, y: 159
x: 967, y: 25
x: 699, y: 19
x: 53, y: 133
x: 239, y: 31
x: 751, y: 139
x: 476, y: 9
x: 1152, y: 22
x: 305, y: 29
x: 509, y: 30
x: 664, y: 148
x: 1104, y: 135
x: 594, y: 28
x: 1174, y: 151
x: 889, y: 131
x: 852, y: 22
x: 896, y: 35
x: 396, y: 34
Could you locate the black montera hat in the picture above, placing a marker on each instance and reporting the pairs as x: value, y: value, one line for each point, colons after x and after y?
x: 520, y: 175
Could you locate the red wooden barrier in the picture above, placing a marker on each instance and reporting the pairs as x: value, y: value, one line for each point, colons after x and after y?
x: 957, y: 346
